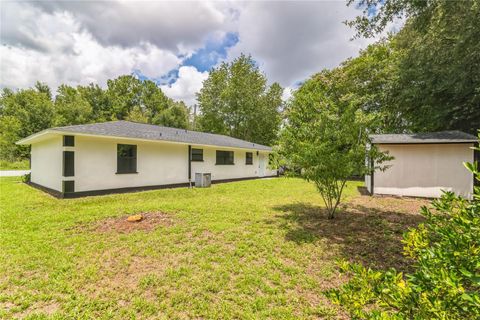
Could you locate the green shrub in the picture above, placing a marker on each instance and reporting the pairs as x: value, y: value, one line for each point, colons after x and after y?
x: 445, y: 281
x: 26, y: 178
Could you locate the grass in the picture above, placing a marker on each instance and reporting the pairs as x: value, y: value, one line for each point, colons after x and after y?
x: 253, y: 249
x: 17, y: 165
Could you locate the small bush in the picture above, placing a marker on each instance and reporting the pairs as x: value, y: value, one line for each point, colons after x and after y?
x: 445, y: 283
x: 26, y: 178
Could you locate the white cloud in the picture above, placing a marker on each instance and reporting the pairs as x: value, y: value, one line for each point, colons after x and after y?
x: 291, y: 40
x: 188, y: 83
x: 70, y: 54
x: 287, y: 93
x: 168, y: 25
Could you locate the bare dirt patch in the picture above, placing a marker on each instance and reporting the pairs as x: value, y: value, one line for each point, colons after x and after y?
x: 366, y: 229
x: 389, y: 204
x: 149, y: 222
x: 40, y: 308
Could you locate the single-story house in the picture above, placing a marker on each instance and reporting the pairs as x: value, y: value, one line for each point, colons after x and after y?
x: 121, y: 156
x: 424, y: 164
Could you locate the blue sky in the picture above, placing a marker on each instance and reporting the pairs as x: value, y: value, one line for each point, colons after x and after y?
x: 203, y: 59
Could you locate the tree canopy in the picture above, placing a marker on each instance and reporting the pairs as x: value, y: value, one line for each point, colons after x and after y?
x: 426, y: 76
x: 235, y: 100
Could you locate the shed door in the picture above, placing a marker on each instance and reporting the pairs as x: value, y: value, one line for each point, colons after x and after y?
x: 261, y: 165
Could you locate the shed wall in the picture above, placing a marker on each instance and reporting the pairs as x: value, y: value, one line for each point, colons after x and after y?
x: 424, y: 170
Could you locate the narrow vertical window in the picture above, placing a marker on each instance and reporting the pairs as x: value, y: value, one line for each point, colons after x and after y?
x: 126, y: 158
x: 68, y: 141
x: 249, y: 158
x: 68, y: 163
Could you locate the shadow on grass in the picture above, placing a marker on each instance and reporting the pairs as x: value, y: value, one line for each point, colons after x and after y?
x: 362, y: 234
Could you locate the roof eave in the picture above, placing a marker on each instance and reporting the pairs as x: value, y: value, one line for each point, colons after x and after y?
x: 32, y: 138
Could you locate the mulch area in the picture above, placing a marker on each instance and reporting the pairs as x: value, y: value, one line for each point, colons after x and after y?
x: 150, y: 221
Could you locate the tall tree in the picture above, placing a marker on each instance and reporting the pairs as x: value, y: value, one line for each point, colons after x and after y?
x: 97, y: 98
x: 71, y: 107
x: 22, y: 113
x: 143, y: 101
x: 437, y: 85
x: 236, y: 100
x: 124, y: 93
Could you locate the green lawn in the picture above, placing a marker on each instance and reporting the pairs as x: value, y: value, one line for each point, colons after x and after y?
x: 252, y: 249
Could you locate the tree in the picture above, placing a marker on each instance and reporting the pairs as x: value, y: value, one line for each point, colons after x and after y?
x: 97, y: 98
x: 143, y: 101
x: 436, y: 83
x: 235, y: 100
x: 371, y: 78
x: 71, y: 107
x: 175, y: 116
x: 22, y: 113
x: 124, y: 93
x: 445, y: 278
x: 325, y: 135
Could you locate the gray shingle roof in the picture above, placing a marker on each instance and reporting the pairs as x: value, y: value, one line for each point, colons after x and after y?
x: 430, y: 137
x: 129, y: 129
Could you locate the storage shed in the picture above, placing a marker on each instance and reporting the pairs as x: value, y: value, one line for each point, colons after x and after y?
x: 424, y: 164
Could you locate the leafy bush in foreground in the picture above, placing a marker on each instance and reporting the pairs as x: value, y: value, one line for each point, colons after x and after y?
x: 445, y: 283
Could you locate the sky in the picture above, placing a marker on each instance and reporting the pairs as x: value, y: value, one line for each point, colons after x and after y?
x: 174, y: 44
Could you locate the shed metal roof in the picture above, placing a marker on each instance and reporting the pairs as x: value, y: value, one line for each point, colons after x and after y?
x: 429, y: 137
x: 133, y: 130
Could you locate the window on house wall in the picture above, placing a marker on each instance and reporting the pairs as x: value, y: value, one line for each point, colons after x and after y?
x: 197, y: 154
x: 224, y: 157
x: 126, y: 158
x: 68, y: 141
x: 249, y: 158
x: 68, y: 163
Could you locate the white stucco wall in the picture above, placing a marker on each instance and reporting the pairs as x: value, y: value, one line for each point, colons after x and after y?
x: 46, y: 163
x: 238, y: 170
x: 424, y: 170
x: 158, y: 163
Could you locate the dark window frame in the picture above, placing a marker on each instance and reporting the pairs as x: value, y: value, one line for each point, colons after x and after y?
x: 224, y: 157
x: 68, y: 164
x: 197, y: 155
x: 126, y: 164
x: 249, y: 158
x: 69, y: 141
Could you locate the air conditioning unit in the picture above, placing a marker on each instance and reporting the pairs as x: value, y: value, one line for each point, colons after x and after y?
x: 203, y: 180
